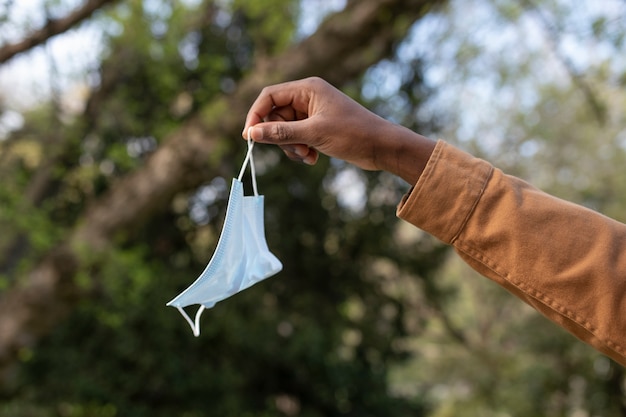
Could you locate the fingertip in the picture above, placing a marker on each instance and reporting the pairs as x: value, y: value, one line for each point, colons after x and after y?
x: 291, y: 155
x: 252, y: 132
x: 255, y: 133
x: 252, y: 119
x: 311, y: 158
x: 301, y: 150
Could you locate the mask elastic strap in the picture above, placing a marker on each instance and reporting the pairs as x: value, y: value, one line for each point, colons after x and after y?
x: 249, y: 158
x: 195, y: 327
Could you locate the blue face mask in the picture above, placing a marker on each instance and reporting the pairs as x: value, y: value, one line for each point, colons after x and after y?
x: 241, y: 258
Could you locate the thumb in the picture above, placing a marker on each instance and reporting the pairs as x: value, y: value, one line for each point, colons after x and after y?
x: 287, y: 135
x: 280, y: 133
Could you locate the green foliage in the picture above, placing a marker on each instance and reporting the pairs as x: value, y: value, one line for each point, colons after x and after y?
x: 518, y: 93
x: 316, y: 340
x: 293, y: 342
x: 363, y: 320
x: 27, y: 231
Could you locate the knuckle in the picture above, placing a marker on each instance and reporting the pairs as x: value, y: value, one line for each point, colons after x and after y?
x: 281, y: 133
x: 315, y: 81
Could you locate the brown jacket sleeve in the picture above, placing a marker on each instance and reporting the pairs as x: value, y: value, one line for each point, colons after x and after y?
x: 564, y: 260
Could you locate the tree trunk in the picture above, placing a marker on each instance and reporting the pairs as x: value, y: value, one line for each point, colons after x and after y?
x: 52, y: 28
x: 343, y: 47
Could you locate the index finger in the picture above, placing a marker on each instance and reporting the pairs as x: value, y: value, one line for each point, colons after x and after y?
x: 289, y: 94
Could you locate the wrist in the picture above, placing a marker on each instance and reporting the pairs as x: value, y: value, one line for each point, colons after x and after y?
x: 403, y: 152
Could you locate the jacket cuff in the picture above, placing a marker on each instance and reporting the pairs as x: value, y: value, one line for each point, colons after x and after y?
x: 446, y: 193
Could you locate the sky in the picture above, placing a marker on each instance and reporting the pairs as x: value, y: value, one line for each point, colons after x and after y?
x: 59, y: 66
x: 63, y: 64
x: 473, y: 88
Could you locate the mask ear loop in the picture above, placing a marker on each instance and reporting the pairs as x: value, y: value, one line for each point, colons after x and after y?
x: 195, y: 326
x: 249, y: 158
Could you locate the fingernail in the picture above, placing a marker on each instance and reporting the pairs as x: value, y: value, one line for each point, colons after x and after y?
x: 309, y: 160
x: 255, y: 133
x: 301, y: 151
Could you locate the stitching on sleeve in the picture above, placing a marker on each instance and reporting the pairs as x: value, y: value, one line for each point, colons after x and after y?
x: 432, y: 162
x: 471, y: 210
x: 539, y: 296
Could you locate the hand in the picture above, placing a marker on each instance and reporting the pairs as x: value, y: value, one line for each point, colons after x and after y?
x: 320, y: 117
x: 309, y: 116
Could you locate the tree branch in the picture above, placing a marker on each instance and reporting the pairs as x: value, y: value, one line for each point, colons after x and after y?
x: 52, y: 28
x: 344, y: 46
x: 554, y: 39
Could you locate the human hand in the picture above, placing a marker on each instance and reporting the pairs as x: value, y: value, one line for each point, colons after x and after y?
x: 309, y: 116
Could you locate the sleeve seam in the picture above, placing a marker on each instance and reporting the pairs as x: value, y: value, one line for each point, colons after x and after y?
x: 473, y: 207
x: 544, y: 299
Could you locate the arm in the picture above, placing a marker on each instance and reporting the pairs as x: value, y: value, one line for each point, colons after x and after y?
x: 564, y: 260
x: 322, y: 119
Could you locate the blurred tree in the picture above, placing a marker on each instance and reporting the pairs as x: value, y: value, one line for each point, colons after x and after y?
x: 107, y: 214
x: 538, y: 91
x: 53, y: 26
x: 110, y: 213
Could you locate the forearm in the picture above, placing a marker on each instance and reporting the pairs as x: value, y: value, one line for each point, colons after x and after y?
x: 564, y: 260
x: 402, y: 152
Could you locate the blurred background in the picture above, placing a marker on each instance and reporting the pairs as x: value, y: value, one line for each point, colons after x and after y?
x: 120, y: 131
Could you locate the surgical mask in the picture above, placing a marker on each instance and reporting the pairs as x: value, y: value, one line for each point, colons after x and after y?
x: 241, y: 258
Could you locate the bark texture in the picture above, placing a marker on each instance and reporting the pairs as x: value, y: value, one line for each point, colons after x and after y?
x: 344, y: 46
x: 51, y: 28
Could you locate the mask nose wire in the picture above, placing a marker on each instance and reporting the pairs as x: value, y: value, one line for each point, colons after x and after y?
x: 249, y: 158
